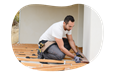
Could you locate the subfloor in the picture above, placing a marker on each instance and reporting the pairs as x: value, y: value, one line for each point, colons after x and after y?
x: 27, y: 55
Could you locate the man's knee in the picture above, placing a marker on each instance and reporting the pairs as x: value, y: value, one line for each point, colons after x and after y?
x: 60, y: 56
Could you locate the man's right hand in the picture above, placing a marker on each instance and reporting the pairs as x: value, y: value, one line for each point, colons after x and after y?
x: 77, y: 59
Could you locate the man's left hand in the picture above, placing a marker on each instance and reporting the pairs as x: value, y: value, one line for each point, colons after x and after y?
x: 77, y: 54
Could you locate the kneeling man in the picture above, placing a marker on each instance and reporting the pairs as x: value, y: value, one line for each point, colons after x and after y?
x: 57, y: 40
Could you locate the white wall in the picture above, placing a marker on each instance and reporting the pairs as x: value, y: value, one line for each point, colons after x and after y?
x: 86, y: 32
x: 35, y: 19
x: 98, y: 37
x: 92, y: 36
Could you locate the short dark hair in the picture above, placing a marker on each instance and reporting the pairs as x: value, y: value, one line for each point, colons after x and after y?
x: 69, y: 18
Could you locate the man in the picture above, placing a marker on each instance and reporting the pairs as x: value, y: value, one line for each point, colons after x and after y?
x: 54, y: 44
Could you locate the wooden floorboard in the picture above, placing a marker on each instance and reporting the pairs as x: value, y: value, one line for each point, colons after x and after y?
x: 57, y: 68
x: 26, y: 56
x: 46, y: 60
x: 39, y: 65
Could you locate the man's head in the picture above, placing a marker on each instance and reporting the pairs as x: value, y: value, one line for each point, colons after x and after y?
x: 68, y: 22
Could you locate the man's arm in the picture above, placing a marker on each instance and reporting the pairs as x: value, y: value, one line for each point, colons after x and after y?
x: 62, y: 48
x: 72, y: 44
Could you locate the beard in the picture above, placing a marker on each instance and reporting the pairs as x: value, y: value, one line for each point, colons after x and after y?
x: 67, y: 28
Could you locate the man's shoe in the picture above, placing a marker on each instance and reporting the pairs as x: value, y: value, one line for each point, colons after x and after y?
x: 40, y: 54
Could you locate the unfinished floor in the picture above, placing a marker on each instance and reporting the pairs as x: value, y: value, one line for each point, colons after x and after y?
x: 27, y: 55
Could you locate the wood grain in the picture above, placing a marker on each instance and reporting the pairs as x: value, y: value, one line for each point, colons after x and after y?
x: 46, y: 60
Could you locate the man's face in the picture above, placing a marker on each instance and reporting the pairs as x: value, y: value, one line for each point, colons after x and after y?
x: 69, y: 26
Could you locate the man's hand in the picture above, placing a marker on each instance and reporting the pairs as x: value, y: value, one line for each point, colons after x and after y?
x: 77, y: 54
x: 62, y: 48
x: 77, y: 59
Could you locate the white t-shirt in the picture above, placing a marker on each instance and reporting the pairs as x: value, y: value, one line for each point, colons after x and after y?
x: 55, y: 30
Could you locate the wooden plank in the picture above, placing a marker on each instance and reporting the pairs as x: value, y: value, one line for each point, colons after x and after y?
x: 40, y: 65
x: 26, y: 56
x: 24, y: 44
x: 58, y: 68
x: 46, y: 60
x: 52, y: 69
x: 30, y: 56
x: 35, y: 45
x: 25, y: 47
x: 56, y: 65
x: 68, y: 58
x: 49, y: 67
x: 28, y: 53
x: 20, y: 47
x: 24, y: 50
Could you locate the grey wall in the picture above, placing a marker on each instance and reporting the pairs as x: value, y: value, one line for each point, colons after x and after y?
x: 80, y: 25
